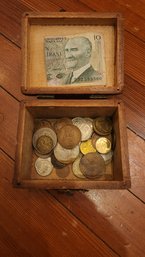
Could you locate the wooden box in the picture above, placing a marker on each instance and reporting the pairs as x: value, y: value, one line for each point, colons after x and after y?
x: 84, y: 99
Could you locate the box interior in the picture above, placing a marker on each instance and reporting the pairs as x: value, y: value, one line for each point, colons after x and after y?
x: 34, y: 113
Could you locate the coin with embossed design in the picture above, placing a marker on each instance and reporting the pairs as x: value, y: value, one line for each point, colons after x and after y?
x: 69, y: 136
x: 43, y: 166
x: 103, y: 145
x: 59, y: 123
x: 103, y: 125
x: 66, y: 155
x: 87, y: 147
x: 85, y: 125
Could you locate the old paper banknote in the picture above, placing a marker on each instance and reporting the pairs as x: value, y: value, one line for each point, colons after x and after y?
x: 75, y: 59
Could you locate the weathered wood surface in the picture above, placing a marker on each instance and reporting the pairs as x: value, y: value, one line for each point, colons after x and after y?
x: 94, y: 223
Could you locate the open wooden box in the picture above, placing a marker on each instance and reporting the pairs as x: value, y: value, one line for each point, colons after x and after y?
x: 37, y: 27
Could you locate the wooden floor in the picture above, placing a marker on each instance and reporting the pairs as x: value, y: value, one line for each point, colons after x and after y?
x: 83, y: 224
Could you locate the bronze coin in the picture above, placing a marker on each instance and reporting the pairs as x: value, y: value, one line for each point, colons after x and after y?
x: 64, y: 172
x: 44, y: 144
x: 56, y: 163
x: 69, y: 136
x: 42, y: 124
x: 92, y: 165
x: 59, y: 123
x: 103, y: 126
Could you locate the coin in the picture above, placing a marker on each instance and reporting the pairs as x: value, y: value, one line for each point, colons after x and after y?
x: 87, y: 147
x: 43, y: 166
x: 59, y: 123
x: 69, y: 136
x: 103, y: 126
x: 76, y: 167
x: 44, y: 132
x: 85, y: 125
x: 56, y: 163
x: 103, y: 145
x: 107, y: 157
x: 44, y: 144
x: 64, y: 172
x: 66, y: 155
x: 42, y: 124
x: 95, y: 137
x: 92, y: 165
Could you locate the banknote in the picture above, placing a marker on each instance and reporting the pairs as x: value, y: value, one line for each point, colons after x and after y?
x: 75, y: 59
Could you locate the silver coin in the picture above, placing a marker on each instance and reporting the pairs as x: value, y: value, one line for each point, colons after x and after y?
x: 107, y: 157
x: 66, y: 155
x: 43, y: 166
x: 76, y: 167
x: 44, y: 132
x: 85, y: 125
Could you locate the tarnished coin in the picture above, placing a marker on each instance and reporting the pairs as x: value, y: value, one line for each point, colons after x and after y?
x: 56, y: 163
x: 43, y: 133
x: 43, y: 166
x: 107, y: 157
x: 87, y: 147
x: 42, y: 124
x: 95, y: 137
x: 103, y: 145
x: 103, y: 126
x: 69, y: 136
x: 76, y: 167
x: 64, y: 172
x: 44, y: 144
x: 59, y: 123
x: 66, y: 155
x: 92, y: 165
x: 85, y: 125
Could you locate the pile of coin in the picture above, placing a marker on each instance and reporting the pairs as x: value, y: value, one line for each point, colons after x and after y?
x: 84, y: 142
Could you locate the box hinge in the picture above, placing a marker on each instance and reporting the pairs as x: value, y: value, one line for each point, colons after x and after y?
x: 43, y: 97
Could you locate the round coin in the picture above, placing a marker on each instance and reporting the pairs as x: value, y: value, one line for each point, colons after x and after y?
x: 69, y: 136
x: 87, y: 147
x: 103, y: 145
x: 85, y: 125
x: 95, y: 137
x: 56, y: 163
x: 76, y: 167
x: 92, y: 165
x: 59, y: 123
x: 63, y: 173
x: 66, y: 155
x: 103, y: 126
x: 43, y: 166
x: 42, y: 124
x: 44, y: 144
x: 107, y: 157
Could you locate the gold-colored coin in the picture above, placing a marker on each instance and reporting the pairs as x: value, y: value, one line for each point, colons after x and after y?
x: 103, y: 126
x: 95, y: 137
x: 69, y: 136
x: 103, y: 145
x: 92, y: 165
x: 44, y: 144
x: 87, y: 147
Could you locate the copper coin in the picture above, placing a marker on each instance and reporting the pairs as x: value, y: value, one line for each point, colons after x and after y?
x: 92, y: 165
x: 42, y: 124
x: 69, y: 136
x: 44, y: 144
x: 59, y: 123
x: 103, y: 126
x: 64, y: 172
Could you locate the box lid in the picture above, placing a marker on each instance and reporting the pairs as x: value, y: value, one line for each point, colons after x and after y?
x: 72, y: 53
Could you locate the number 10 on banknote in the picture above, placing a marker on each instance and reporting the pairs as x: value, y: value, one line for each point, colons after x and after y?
x: 75, y: 59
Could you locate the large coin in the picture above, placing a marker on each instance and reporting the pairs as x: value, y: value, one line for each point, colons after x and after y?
x: 92, y: 165
x: 69, y: 136
x: 103, y: 126
x: 43, y: 166
x: 66, y: 155
x: 76, y: 167
x: 85, y: 125
x: 87, y: 147
x: 59, y: 123
x: 43, y: 133
x: 44, y: 144
x: 103, y: 145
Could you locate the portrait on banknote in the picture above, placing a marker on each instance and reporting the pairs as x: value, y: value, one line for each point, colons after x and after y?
x: 75, y: 59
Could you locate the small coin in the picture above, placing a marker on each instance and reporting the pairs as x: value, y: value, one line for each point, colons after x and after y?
x: 42, y: 124
x: 59, y: 123
x: 69, y: 136
x: 64, y: 172
x: 43, y: 166
x: 76, y: 167
x: 103, y: 126
x: 107, y: 157
x: 56, y: 163
x: 103, y: 145
x: 66, y: 155
x: 87, y: 147
x: 47, y: 132
x: 85, y: 125
x: 92, y: 165
x: 44, y: 144
x: 95, y: 137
